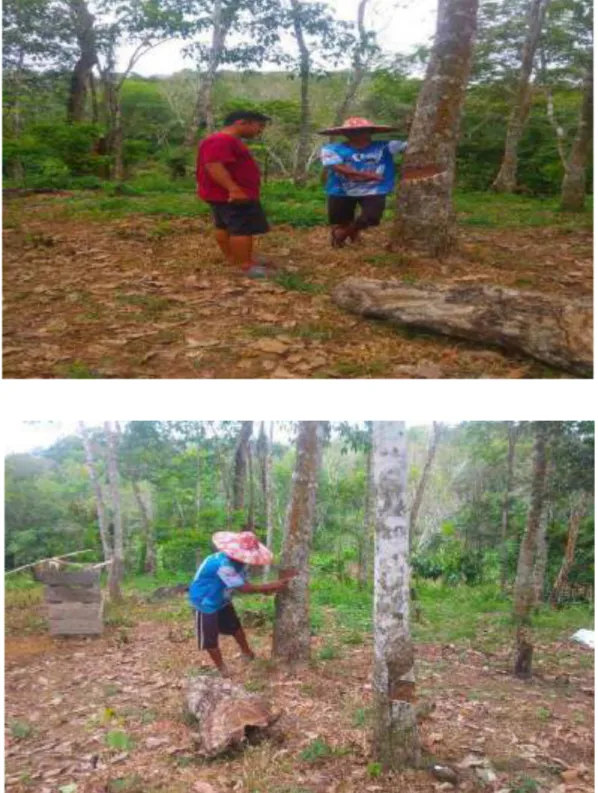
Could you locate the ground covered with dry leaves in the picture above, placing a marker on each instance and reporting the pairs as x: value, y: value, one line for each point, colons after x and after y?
x: 106, y: 714
x: 98, y: 295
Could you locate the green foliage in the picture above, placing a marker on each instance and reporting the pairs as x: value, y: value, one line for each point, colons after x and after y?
x: 374, y: 770
x: 119, y: 741
x: 451, y: 560
x: 181, y: 553
x: 317, y: 750
x: 20, y: 729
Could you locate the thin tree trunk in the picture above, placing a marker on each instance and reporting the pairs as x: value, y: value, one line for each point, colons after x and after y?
x: 506, y: 179
x: 267, y: 488
x: 573, y: 191
x: 118, y: 143
x: 512, y: 433
x: 577, y: 514
x: 524, y: 598
x: 291, y: 637
x: 558, y: 130
x: 540, y: 562
x: 425, y: 215
x: 117, y: 568
x: 107, y: 549
x: 300, y: 171
x: 368, y: 526
x: 421, y: 487
x: 95, y: 112
x: 149, y: 563
x: 83, y: 24
x: 17, y: 171
x: 203, y: 111
x: 395, y: 739
x: 198, y: 487
x: 358, y: 71
x: 240, y: 474
x: 251, y: 481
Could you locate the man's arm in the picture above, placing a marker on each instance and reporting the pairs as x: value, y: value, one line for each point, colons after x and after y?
x: 222, y: 177
x: 358, y: 176
x: 263, y: 589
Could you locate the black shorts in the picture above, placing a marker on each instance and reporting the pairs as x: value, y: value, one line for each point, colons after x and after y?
x: 240, y: 219
x: 341, y: 210
x: 210, y: 626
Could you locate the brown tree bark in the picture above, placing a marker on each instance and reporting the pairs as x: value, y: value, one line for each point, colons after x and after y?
x: 303, y: 147
x: 107, y: 549
x: 421, y: 487
x: 83, y: 23
x: 359, y: 67
x: 573, y: 191
x: 577, y: 514
x: 524, y: 598
x: 117, y: 568
x: 425, y: 215
x: 512, y: 434
x: 555, y: 329
x: 291, y: 637
x: 240, y: 475
x: 395, y: 739
x: 506, y: 179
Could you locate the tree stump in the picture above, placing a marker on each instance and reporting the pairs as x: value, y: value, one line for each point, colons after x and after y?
x: 227, y: 714
x: 553, y: 329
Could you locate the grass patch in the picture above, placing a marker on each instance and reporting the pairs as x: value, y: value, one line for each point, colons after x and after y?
x: 294, y: 282
x: 119, y: 741
x: 20, y: 729
x: 317, y: 750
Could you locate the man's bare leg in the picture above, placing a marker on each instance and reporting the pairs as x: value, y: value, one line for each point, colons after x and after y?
x: 223, y: 240
x: 241, y: 249
x: 241, y: 640
x: 216, y: 657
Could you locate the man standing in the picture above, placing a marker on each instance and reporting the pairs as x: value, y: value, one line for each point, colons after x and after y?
x: 360, y: 171
x: 228, y: 179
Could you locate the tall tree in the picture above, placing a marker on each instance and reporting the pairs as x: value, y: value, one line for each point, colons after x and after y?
x: 506, y: 179
x: 524, y: 599
x: 421, y: 487
x: 265, y: 455
x: 365, y: 50
x: 573, y: 191
x: 512, y: 433
x: 395, y: 737
x: 117, y: 568
x: 425, y: 215
x: 83, y: 26
x: 368, y: 511
x: 241, y: 465
x: 107, y: 548
x: 291, y: 637
x: 580, y: 502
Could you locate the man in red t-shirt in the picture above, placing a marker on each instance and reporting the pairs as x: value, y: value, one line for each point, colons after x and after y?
x: 228, y: 179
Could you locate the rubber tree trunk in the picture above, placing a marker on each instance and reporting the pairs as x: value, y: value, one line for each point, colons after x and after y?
x: 395, y: 739
x: 506, y: 179
x: 84, y: 31
x: 303, y: 147
x: 358, y: 69
x: 240, y: 474
x: 524, y: 599
x: 266, y: 448
x: 99, y: 496
x: 368, y: 523
x: 421, y: 487
x: 117, y: 568
x: 203, y: 111
x: 149, y: 563
x: 512, y: 433
x: 577, y: 514
x: 291, y: 639
x: 540, y: 562
x: 425, y: 215
x: 573, y: 191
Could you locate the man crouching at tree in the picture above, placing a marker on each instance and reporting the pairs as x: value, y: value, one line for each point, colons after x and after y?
x: 218, y: 577
x: 229, y: 180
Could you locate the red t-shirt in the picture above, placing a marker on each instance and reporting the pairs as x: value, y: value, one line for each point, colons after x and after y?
x: 236, y: 158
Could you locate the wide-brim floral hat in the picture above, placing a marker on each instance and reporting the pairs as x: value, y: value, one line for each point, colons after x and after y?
x: 356, y: 124
x: 242, y: 546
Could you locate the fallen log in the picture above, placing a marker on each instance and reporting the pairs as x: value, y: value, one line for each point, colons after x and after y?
x: 227, y: 714
x: 551, y: 328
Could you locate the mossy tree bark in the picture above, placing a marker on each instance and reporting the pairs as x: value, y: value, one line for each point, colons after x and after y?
x: 291, y: 639
x: 425, y: 215
x: 573, y: 191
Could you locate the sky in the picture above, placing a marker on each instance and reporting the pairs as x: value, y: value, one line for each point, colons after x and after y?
x: 401, y: 25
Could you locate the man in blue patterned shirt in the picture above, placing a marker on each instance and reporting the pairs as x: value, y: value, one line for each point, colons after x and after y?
x: 361, y: 171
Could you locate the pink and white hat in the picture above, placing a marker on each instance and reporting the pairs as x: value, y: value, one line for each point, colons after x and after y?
x: 242, y: 546
x: 357, y: 124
